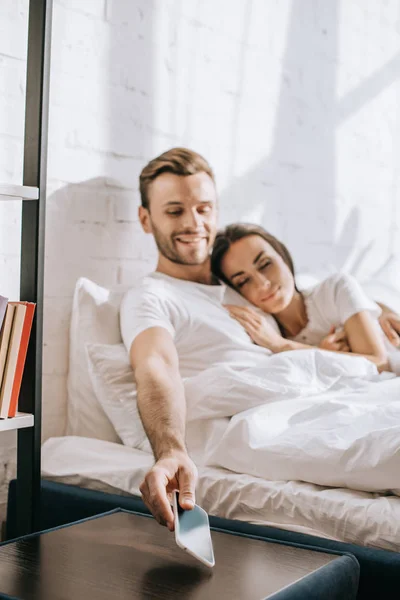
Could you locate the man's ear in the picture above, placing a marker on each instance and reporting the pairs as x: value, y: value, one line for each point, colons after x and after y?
x: 144, y: 218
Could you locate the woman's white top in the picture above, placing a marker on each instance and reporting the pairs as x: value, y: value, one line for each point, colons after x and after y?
x: 333, y: 302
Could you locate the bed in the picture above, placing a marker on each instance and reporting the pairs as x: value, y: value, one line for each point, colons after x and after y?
x: 337, y: 514
x: 93, y: 468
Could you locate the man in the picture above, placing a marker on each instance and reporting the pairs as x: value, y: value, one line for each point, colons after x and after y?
x: 174, y: 324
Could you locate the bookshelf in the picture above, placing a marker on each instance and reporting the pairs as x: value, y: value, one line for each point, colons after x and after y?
x: 20, y: 421
x: 15, y: 192
x: 33, y: 197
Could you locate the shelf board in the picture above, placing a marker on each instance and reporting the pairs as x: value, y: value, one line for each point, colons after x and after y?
x: 15, y: 192
x: 20, y: 421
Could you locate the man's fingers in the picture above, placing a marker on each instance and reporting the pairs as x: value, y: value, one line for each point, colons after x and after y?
x: 145, y: 497
x: 144, y: 490
x: 157, y: 497
x: 187, y: 485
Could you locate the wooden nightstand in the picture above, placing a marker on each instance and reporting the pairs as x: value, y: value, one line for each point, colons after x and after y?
x: 128, y: 555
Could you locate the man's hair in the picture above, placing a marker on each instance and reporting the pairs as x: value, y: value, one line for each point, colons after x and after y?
x: 232, y: 233
x: 180, y: 161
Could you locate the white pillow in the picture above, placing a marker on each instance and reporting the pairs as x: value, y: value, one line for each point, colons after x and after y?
x: 114, y: 385
x: 95, y: 319
x: 113, y: 382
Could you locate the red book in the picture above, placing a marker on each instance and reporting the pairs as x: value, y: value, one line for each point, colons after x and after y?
x: 19, y: 369
x: 12, y: 357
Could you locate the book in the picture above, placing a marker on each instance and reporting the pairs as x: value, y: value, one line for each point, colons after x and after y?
x: 12, y: 357
x: 3, y: 308
x: 5, y: 338
x: 19, y: 369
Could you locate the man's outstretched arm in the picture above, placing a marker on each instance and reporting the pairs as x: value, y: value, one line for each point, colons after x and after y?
x: 162, y: 407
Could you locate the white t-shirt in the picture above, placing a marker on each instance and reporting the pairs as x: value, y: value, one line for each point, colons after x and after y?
x: 332, y: 302
x: 204, y: 333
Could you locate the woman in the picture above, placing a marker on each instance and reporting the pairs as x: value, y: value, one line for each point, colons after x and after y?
x: 260, y: 268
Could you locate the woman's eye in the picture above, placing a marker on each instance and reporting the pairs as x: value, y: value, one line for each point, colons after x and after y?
x: 242, y: 283
x: 174, y: 213
x: 265, y: 265
x: 204, y: 210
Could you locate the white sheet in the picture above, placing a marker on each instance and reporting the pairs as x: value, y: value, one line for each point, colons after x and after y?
x: 341, y: 514
x: 313, y: 416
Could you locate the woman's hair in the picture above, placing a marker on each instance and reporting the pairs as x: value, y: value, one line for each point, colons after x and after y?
x: 232, y: 233
x: 179, y: 161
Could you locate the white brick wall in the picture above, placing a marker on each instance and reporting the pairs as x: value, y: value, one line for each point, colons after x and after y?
x: 295, y: 104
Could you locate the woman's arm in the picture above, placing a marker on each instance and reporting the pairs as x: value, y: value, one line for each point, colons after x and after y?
x: 362, y: 336
x: 264, y: 334
x: 363, y: 339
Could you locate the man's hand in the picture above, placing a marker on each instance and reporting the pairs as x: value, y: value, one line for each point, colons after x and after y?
x: 261, y: 332
x: 390, y: 323
x: 173, y: 472
x: 335, y: 341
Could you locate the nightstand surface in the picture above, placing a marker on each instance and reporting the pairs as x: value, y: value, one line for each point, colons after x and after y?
x: 127, y: 555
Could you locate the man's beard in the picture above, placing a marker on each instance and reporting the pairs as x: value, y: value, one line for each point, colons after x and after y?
x: 168, y: 249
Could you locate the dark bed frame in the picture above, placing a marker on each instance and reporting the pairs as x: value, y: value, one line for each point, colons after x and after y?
x: 61, y: 503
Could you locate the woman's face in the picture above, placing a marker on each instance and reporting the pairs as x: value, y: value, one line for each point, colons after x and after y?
x: 259, y: 273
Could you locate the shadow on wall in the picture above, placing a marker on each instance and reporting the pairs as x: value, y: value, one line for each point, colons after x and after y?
x: 296, y: 181
x: 92, y: 228
x: 85, y: 237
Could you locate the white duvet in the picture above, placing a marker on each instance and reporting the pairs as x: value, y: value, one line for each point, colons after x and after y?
x: 313, y: 416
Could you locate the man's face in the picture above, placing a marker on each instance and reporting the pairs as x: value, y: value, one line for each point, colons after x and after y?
x: 182, y: 217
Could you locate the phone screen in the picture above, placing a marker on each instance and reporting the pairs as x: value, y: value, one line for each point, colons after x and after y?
x: 192, y: 532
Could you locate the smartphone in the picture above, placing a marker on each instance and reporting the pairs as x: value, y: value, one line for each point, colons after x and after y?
x: 192, y: 531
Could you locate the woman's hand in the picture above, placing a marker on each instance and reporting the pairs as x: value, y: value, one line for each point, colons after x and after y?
x: 258, y: 328
x: 335, y: 341
x: 390, y: 323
